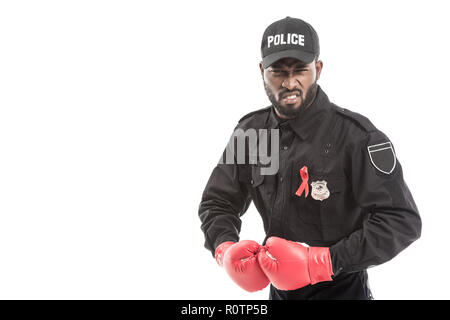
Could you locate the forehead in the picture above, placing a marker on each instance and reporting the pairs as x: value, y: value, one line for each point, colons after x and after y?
x: 288, y: 62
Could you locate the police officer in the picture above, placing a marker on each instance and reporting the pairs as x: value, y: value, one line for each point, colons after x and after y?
x: 333, y: 200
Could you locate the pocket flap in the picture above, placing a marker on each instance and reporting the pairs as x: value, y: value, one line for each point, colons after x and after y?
x: 334, y: 183
x: 251, y: 175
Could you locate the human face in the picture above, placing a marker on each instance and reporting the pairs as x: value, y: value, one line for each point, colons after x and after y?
x: 291, y: 85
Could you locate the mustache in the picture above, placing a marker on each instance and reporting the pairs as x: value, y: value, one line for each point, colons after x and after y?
x: 289, y: 92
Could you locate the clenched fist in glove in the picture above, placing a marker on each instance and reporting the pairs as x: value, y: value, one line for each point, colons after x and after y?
x: 241, y: 263
x: 290, y: 265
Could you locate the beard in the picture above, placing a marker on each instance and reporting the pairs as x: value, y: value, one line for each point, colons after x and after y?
x: 290, y: 111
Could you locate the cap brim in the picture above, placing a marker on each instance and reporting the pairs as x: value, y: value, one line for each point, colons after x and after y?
x: 306, y: 57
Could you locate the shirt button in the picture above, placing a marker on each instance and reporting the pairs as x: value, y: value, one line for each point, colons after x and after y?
x: 252, y: 182
x: 281, y: 179
x: 285, y: 148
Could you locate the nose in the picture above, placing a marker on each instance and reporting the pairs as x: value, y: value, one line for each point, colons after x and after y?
x: 289, y: 83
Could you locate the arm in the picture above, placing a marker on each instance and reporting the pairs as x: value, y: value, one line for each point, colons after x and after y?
x: 223, y: 202
x: 391, y: 219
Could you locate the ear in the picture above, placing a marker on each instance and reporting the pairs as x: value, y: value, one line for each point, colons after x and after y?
x: 319, y: 66
x: 262, y: 69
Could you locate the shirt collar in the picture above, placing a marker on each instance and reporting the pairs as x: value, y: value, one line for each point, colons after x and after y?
x: 308, y: 121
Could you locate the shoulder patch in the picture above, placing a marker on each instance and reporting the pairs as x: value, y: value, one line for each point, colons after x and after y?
x: 248, y: 115
x: 382, y: 156
x: 356, y: 118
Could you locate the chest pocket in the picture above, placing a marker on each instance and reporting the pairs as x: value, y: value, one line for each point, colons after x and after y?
x: 318, y: 212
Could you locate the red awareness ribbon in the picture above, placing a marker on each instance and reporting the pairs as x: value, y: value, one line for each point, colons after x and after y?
x: 304, y: 185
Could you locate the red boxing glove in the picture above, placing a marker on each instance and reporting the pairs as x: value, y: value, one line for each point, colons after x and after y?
x: 290, y: 265
x: 241, y: 263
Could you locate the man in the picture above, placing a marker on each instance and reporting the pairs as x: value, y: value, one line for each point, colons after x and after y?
x: 337, y: 203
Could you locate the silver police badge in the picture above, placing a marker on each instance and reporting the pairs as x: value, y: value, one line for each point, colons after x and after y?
x: 319, y: 190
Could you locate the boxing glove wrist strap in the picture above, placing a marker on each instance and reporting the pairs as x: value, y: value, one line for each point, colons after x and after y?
x: 320, y: 267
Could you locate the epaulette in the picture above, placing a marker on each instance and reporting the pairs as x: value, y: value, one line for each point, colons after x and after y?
x: 254, y: 112
x: 358, y: 119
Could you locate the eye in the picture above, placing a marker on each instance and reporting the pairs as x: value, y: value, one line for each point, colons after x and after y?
x: 300, y: 70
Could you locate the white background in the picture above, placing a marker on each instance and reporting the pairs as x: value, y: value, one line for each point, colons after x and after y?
x: 114, y: 113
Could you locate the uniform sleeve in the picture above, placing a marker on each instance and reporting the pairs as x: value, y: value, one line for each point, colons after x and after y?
x: 391, y: 221
x: 223, y: 202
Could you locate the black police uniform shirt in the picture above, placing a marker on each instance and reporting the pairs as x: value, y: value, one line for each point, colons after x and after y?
x: 369, y: 215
